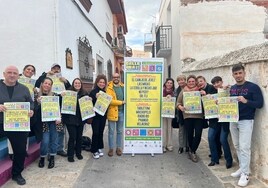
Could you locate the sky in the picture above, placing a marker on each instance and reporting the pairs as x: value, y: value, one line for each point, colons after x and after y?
x: 140, y: 15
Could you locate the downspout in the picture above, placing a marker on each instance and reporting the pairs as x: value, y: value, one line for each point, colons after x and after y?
x: 55, y: 32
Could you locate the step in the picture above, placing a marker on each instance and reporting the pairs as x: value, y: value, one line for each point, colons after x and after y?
x: 6, y: 164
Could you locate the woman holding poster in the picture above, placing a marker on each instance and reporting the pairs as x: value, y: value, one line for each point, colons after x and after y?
x: 74, y: 123
x: 48, y: 128
x: 168, y: 91
x: 98, y: 123
x: 193, y: 117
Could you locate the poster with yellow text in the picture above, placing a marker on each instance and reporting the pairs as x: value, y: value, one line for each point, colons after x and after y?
x: 192, y: 102
x: 86, y: 107
x: 69, y: 99
x: 210, y: 106
x: 143, y: 109
x: 16, y: 117
x: 29, y: 83
x: 50, y: 108
x: 168, y: 107
x: 223, y: 92
x: 228, y: 109
x: 102, y: 103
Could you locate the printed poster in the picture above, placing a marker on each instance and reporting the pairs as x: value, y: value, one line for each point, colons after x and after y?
x: 29, y: 83
x: 86, y: 107
x: 143, y: 109
x: 228, y: 109
x: 50, y: 108
x: 192, y: 102
x: 223, y: 92
x: 58, y: 86
x: 168, y: 107
x: 102, y: 103
x: 16, y: 117
x: 210, y: 106
x: 69, y: 100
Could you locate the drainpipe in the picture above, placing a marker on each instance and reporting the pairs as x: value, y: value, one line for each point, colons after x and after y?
x: 55, y: 32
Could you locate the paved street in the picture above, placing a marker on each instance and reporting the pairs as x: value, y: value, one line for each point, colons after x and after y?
x: 167, y: 170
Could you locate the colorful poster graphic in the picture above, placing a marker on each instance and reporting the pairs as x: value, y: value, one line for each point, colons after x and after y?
x: 210, y: 106
x: 143, y: 95
x: 86, y: 107
x: 50, y: 108
x: 29, y: 83
x: 16, y: 117
x: 192, y: 102
x: 223, y: 92
x: 168, y: 107
x: 69, y: 99
x: 58, y: 86
x: 228, y: 109
x: 102, y: 103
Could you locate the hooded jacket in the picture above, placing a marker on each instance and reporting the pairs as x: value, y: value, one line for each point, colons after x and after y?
x: 112, y: 114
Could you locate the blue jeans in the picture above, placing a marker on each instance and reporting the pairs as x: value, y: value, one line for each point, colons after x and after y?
x: 60, y: 140
x: 119, y: 131
x: 49, y: 141
x: 241, y: 133
x: 221, y: 129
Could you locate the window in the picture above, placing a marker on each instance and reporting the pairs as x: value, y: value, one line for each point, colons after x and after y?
x: 85, y: 60
x: 86, y: 4
x: 109, y: 70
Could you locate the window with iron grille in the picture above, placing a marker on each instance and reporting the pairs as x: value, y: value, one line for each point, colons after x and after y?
x: 85, y: 60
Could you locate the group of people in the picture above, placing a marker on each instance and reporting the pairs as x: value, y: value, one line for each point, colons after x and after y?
x: 51, y: 134
x: 191, y: 125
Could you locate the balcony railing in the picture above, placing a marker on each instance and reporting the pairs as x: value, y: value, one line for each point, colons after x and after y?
x: 163, y: 41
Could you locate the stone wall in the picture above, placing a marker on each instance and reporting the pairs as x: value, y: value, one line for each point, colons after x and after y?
x: 256, y: 72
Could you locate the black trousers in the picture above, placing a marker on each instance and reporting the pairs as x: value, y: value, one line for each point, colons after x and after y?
x: 194, y: 129
x: 75, y: 139
x: 98, y: 125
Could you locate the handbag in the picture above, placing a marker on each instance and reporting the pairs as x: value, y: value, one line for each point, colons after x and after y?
x: 175, y: 123
x: 205, y: 123
x: 89, y: 121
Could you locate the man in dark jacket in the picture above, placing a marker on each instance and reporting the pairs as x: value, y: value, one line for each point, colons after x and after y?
x: 12, y: 91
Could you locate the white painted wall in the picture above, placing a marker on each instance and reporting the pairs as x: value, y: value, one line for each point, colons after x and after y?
x: 38, y: 33
x: 27, y: 34
x: 169, y: 15
x: 213, y: 28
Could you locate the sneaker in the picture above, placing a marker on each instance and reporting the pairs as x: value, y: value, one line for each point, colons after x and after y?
x: 237, y: 173
x: 111, y: 152
x: 100, y: 153
x: 96, y: 155
x: 170, y: 148
x: 243, y: 181
x: 19, y: 179
x: 118, y: 151
x: 71, y: 159
x: 164, y: 150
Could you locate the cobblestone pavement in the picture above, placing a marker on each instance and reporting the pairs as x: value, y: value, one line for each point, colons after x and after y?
x: 66, y: 174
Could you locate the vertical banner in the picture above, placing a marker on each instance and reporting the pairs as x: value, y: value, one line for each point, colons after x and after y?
x: 143, y: 96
